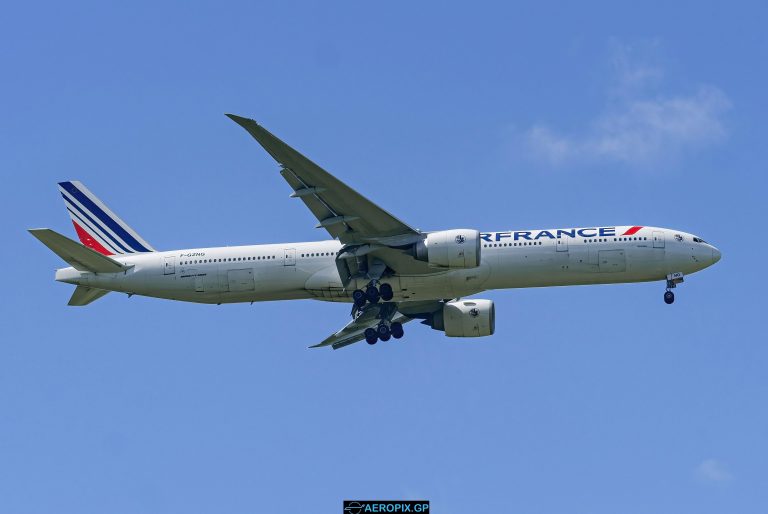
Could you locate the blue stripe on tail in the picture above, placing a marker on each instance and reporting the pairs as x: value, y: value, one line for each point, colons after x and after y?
x: 103, y: 216
x: 96, y: 224
x: 89, y: 226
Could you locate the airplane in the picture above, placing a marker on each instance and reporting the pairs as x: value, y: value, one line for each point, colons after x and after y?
x: 389, y: 271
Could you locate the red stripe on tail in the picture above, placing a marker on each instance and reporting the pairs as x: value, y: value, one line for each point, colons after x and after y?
x: 632, y: 231
x: 88, y: 241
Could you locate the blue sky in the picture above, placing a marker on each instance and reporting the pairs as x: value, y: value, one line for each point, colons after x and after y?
x: 588, y: 399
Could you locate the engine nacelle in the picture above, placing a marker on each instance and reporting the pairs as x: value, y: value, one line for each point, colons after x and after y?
x: 458, y: 248
x: 465, y: 318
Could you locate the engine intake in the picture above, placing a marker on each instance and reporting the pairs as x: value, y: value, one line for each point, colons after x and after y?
x: 465, y: 318
x: 458, y: 248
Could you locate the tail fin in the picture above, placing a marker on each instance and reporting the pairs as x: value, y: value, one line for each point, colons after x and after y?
x: 96, y: 225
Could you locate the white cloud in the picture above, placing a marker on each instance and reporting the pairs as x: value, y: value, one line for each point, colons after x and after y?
x: 711, y: 470
x: 633, y: 66
x: 638, y: 128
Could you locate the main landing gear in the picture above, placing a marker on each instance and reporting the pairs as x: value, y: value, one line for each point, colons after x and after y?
x: 372, y: 294
x: 384, y: 332
x: 672, y: 280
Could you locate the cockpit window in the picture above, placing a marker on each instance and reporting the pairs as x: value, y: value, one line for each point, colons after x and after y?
x: 698, y: 240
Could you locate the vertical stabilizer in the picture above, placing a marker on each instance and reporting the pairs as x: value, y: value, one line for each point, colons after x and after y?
x: 96, y: 225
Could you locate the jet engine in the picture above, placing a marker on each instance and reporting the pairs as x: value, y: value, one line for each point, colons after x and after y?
x: 465, y: 318
x: 458, y: 248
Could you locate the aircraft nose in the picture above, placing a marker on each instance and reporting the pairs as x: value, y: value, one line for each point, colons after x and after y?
x: 715, y: 255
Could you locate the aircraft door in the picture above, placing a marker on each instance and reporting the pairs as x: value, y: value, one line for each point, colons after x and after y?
x: 561, y: 244
x: 169, y: 265
x: 658, y: 239
x: 290, y: 257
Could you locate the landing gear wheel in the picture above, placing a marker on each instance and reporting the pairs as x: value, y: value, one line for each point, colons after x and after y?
x: 385, y: 338
x: 397, y: 330
x: 383, y: 331
x: 372, y: 294
x: 370, y: 336
x: 358, y: 296
x: 386, y: 292
x: 669, y: 297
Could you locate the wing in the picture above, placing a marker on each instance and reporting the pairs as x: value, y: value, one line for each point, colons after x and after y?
x: 341, y: 210
x: 373, y: 314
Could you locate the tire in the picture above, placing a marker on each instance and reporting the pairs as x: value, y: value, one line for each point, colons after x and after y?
x: 372, y: 294
x: 669, y: 297
x: 358, y: 296
x: 397, y: 330
x: 385, y: 338
x: 386, y: 292
x: 383, y: 331
x: 370, y: 336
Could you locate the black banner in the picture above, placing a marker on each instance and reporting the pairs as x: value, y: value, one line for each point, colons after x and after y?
x: 383, y: 506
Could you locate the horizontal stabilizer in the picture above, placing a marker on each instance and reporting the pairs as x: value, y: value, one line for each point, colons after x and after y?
x: 77, y: 255
x: 84, y: 295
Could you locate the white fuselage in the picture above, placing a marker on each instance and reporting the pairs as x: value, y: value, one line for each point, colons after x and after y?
x: 513, y: 259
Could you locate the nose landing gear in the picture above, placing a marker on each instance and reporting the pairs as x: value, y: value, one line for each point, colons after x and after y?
x: 672, y: 280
